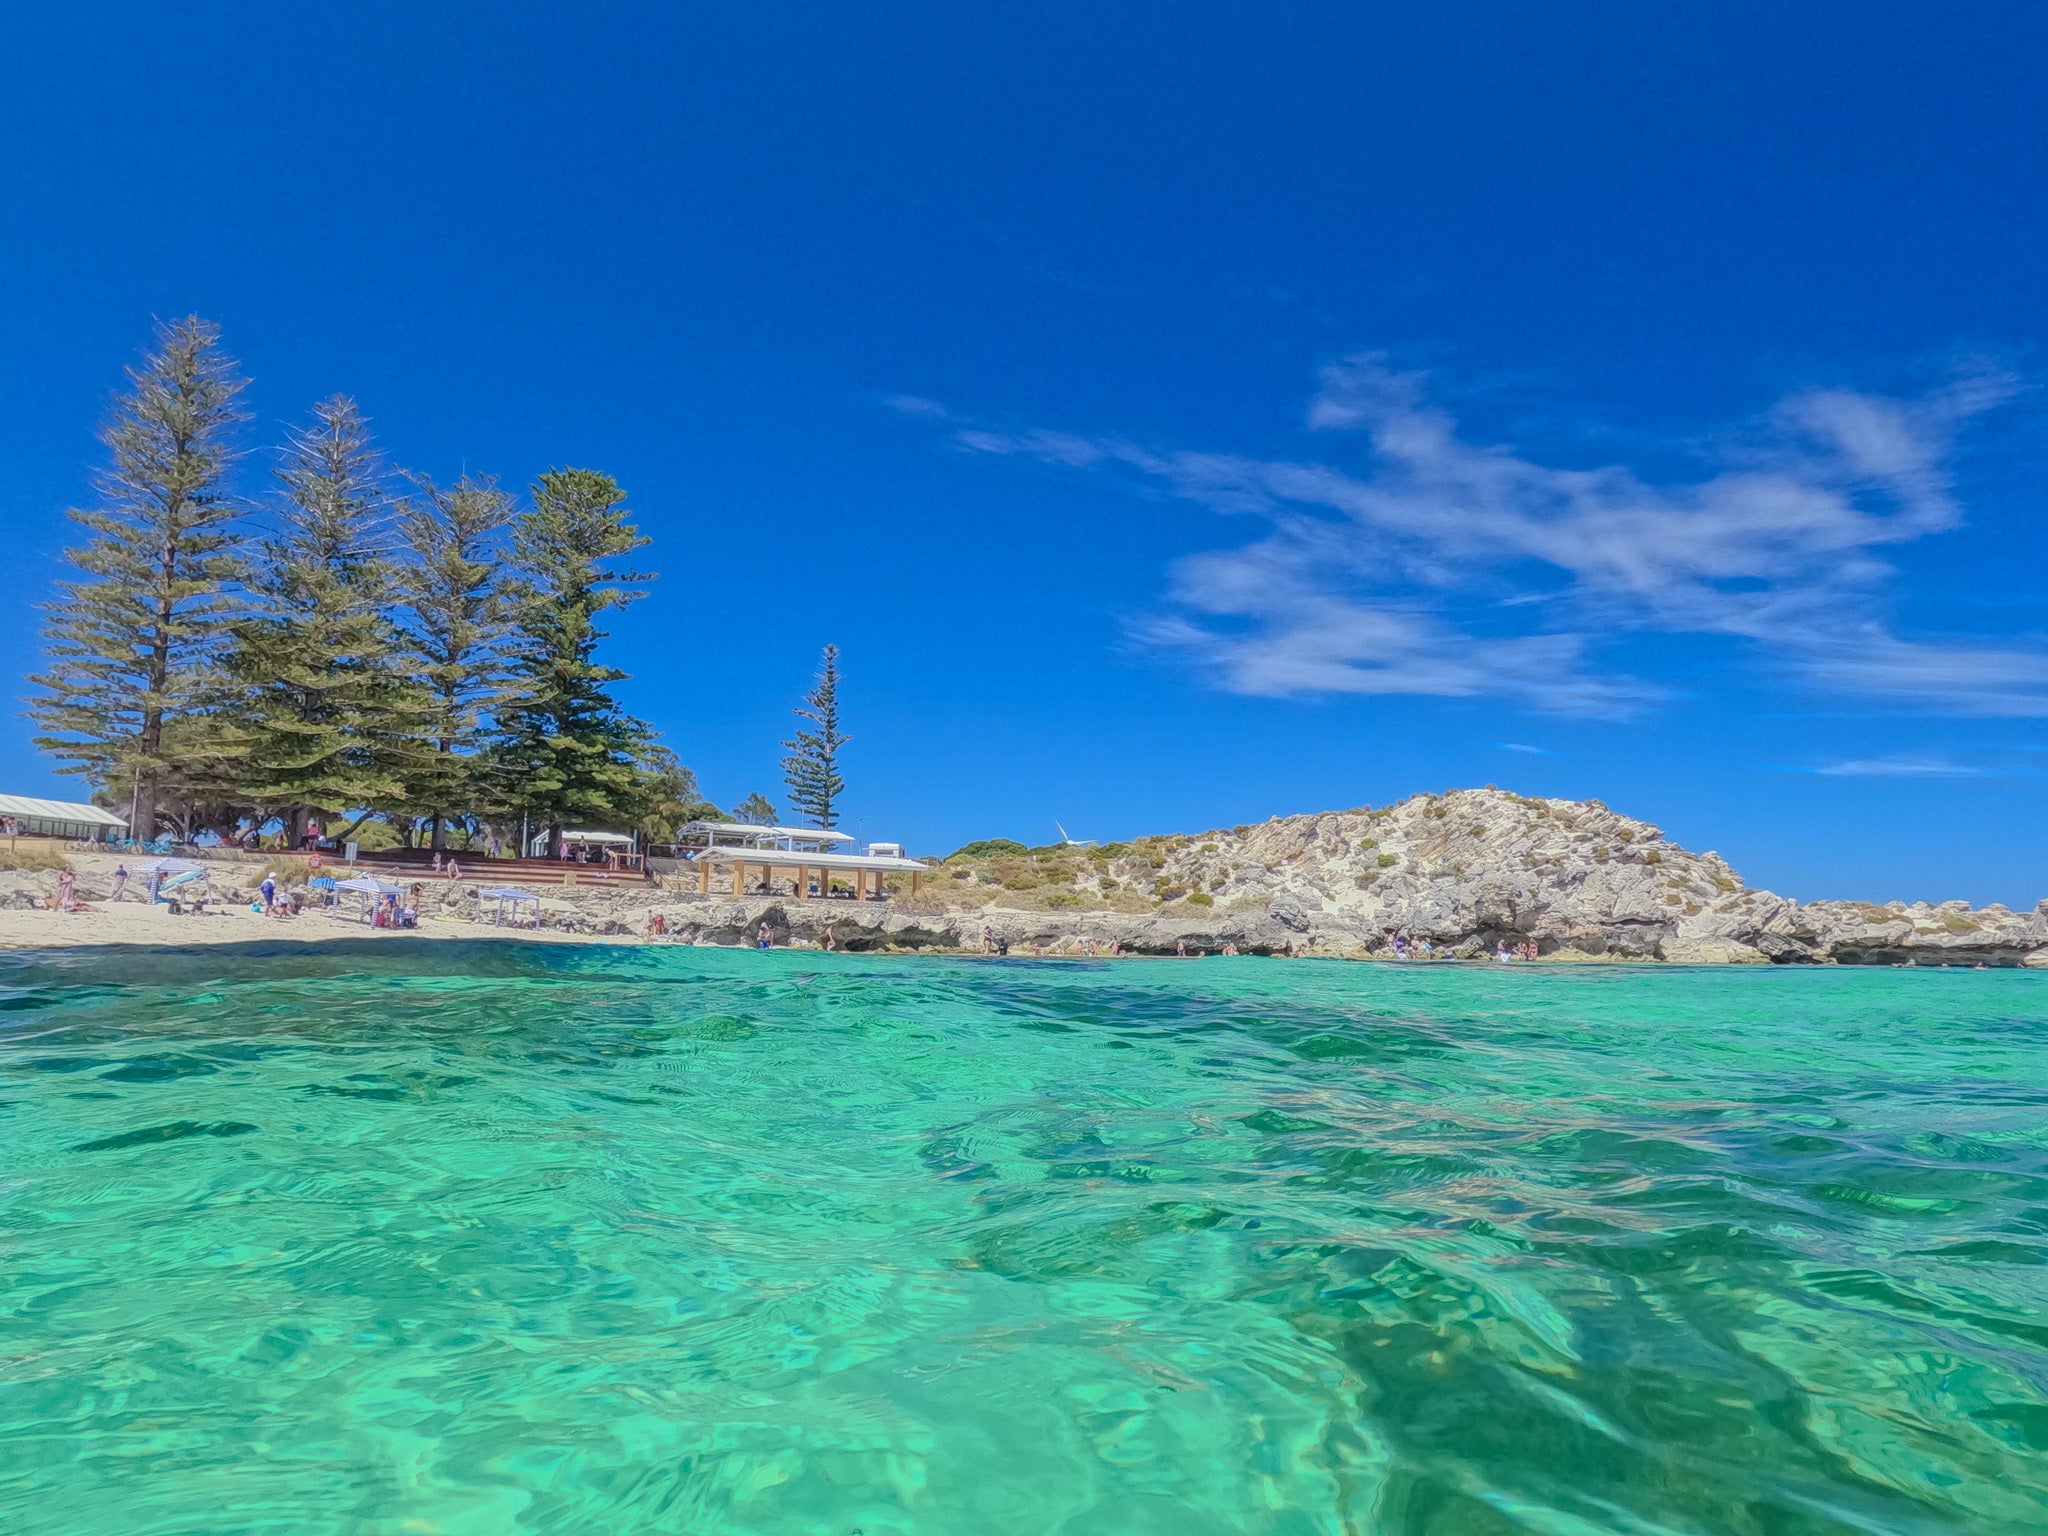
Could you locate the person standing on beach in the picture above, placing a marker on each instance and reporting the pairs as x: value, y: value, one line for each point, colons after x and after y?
x: 67, y: 889
x: 269, y: 890
x: 120, y: 883
x: 761, y: 937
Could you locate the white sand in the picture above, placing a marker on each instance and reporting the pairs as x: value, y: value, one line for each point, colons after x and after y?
x: 131, y: 922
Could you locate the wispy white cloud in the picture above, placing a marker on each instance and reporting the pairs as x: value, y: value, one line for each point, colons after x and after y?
x: 1523, y: 746
x: 1454, y: 568
x: 1899, y: 768
x: 916, y: 405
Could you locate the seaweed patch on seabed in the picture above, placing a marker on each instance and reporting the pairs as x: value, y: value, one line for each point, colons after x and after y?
x: 177, y: 1130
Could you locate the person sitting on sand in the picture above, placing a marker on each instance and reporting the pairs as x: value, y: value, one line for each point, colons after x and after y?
x: 454, y: 870
x: 1180, y: 948
x: 762, y: 938
x: 1229, y: 948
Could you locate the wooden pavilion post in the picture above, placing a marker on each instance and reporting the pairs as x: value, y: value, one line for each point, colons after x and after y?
x: 704, y: 878
x: 803, y: 882
x: 739, y: 877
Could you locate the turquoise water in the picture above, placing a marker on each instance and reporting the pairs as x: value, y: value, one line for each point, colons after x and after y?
x: 480, y: 1239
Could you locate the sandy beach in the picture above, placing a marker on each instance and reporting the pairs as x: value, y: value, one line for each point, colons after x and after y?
x: 132, y: 922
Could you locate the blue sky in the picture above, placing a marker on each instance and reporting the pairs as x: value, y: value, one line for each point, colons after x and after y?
x: 1178, y: 414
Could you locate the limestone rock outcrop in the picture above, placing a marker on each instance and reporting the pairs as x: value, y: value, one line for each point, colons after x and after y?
x: 1465, y: 871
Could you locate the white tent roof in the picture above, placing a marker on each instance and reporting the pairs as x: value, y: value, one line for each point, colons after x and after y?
x: 23, y: 806
x: 748, y: 829
x: 508, y: 893
x: 596, y: 837
x: 370, y: 885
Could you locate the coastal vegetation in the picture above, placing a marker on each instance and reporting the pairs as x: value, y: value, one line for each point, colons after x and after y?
x: 350, y: 643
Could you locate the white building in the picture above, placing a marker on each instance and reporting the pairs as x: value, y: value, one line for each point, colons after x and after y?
x: 60, y: 818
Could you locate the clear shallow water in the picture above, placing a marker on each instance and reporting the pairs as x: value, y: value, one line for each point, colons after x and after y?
x: 512, y: 1238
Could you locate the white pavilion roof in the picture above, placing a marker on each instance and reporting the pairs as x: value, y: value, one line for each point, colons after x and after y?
x: 24, y: 806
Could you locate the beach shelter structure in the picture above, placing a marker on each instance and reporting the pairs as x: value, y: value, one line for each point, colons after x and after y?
x: 61, y: 818
x: 744, y: 834
x: 761, y: 870
x: 509, y: 897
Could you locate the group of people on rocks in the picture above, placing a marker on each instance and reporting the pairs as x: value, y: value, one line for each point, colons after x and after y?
x: 1406, y: 947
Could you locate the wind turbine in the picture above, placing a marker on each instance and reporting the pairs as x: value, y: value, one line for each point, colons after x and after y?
x: 1073, y: 842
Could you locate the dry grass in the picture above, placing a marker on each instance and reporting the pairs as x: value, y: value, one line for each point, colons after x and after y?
x: 290, y: 871
x: 32, y: 855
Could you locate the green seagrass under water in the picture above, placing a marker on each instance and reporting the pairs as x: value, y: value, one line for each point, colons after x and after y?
x: 481, y: 1239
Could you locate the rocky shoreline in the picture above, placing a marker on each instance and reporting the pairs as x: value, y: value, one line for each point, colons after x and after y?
x: 1465, y: 871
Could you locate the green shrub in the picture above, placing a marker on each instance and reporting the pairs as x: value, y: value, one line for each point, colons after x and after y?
x: 1365, y: 879
x: 1167, y: 892
x: 1723, y: 883
x: 1209, y: 848
x: 1218, y: 883
x: 1201, y: 899
x: 1368, y: 845
x: 1653, y: 857
x: 376, y: 836
x: 986, y: 847
x: 1477, y: 829
x: 1387, y: 860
